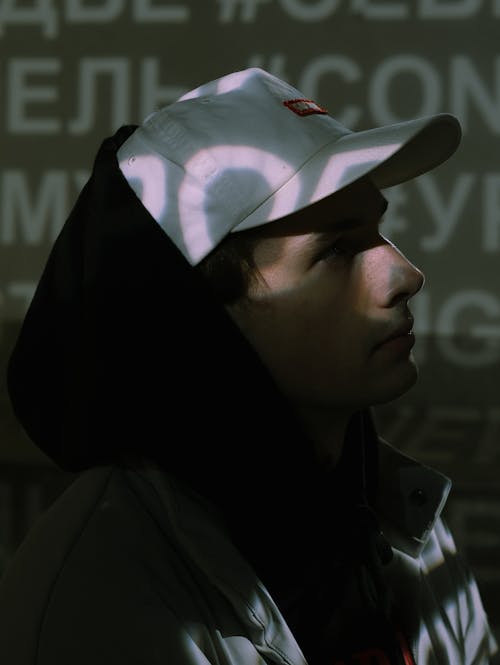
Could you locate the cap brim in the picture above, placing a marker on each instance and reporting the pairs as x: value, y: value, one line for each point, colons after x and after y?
x: 390, y: 155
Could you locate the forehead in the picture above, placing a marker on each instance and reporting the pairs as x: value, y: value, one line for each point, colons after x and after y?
x: 360, y: 202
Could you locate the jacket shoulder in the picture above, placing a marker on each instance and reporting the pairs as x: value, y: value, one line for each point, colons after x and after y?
x: 73, y: 590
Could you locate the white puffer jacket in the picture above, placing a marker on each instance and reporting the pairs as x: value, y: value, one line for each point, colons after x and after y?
x: 128, y: 567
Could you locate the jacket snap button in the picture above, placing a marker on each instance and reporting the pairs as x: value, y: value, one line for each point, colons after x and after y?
x: 418, y: 497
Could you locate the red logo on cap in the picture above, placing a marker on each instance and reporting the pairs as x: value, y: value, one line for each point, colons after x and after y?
x: 304, y: 106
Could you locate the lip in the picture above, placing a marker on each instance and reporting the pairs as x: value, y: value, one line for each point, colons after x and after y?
x: 399, y: 336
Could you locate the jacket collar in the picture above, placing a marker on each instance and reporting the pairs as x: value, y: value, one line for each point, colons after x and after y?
x: 411, y: 497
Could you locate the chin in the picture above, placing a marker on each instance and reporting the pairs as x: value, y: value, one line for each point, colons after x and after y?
x: 397, y: 383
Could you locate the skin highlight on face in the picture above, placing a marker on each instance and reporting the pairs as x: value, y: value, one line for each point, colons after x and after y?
x: 329, y: 311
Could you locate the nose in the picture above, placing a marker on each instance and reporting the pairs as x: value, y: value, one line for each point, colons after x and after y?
x: 402, y: 278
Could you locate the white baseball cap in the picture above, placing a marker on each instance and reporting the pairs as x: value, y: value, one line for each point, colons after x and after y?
x: 248, y: 148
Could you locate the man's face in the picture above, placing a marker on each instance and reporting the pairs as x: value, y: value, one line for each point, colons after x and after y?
x: 329, y: 314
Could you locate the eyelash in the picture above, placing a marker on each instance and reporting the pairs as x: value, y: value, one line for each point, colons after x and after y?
x: 337, y: 250
x: 346, y: 246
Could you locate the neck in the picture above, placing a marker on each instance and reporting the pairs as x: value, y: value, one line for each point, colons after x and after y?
x: 327, y: 431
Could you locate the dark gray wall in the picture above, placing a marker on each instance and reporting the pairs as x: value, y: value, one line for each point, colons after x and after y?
x: 72, y: 71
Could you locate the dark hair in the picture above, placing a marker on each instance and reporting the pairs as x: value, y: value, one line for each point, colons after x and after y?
x: 230, y: 268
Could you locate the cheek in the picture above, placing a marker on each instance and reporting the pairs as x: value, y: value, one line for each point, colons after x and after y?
x: 311, y: 337
x: 305, y: 341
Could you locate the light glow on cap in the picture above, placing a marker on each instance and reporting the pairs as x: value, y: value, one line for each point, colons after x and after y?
x: 198, y: 233
x: 339, y: 164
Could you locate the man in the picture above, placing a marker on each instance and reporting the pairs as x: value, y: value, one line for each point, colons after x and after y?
x: 214, y: 323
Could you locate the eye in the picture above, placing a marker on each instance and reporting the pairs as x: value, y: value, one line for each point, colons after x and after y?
x: 339, y: 249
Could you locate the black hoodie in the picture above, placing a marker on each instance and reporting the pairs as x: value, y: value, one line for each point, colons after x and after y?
x: 124, y: 350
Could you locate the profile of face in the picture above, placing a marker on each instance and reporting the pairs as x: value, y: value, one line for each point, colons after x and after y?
x: 329, y: 312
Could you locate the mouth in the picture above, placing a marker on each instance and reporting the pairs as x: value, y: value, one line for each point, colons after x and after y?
x: 400, y: 337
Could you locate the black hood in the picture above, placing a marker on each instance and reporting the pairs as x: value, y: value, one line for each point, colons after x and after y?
x: 123, y: 349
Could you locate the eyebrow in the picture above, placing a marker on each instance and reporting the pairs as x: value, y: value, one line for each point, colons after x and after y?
x: 348, y: 223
